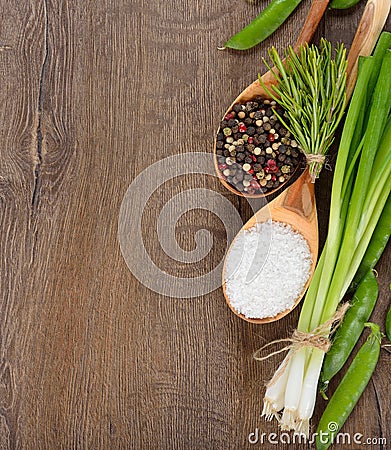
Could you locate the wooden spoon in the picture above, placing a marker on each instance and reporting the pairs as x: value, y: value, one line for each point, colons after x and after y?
x: 371, y: 24
x: 296, y: 206
x: 314, y: 16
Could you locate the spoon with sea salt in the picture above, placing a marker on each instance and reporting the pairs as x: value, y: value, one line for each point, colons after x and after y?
x: 291, y: 217
x: 262, y: 276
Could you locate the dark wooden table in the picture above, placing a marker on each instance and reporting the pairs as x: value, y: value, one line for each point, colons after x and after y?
x: 93, y: 93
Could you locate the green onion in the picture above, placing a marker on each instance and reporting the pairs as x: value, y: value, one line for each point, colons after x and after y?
x: 361, y: 187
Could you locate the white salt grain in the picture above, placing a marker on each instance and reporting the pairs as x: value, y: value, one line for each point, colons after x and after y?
x: 266, y: 269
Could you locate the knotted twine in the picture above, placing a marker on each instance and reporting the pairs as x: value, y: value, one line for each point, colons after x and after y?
x: 317, y: 159
x: 314, y: 158
x: 318, y: 338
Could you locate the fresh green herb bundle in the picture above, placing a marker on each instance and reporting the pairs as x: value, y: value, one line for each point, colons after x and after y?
x: 312, y: 90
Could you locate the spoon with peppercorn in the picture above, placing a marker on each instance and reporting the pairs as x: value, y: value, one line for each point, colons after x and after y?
x: 255, y: 154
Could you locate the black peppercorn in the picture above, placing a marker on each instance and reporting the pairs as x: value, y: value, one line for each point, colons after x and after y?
x: 281, y: 157
x: 258, y: 115
x: 240, y: 175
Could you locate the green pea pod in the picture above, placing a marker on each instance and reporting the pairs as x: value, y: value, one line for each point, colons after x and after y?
x: 378, y: 243
x: 343, y: 4
x: 264, y: 25
x: 349, y: 389
x: 350, y: 330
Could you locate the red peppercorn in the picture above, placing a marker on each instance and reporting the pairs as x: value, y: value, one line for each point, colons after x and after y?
x: 253, y: 157
x: 271, y: 166
x: 255, y: 184
x: 229, y: 116
x: 274, y: 178
x: 250, y: 140
x: 222, y: 166
x: 242, y: 127
x: 270, y: 137
x: 251, y: 171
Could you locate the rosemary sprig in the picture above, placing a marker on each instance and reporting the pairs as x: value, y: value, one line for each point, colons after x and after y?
x: 311, y: 87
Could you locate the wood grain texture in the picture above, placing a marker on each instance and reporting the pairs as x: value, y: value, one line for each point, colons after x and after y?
x: 92, y: 93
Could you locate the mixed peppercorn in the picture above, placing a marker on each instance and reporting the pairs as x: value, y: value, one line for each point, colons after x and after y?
x: 255, y: 152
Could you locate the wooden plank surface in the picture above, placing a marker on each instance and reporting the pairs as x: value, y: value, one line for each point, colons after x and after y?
x: 92, y: 94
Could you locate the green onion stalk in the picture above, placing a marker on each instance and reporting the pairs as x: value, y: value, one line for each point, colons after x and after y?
x: 361, y: 187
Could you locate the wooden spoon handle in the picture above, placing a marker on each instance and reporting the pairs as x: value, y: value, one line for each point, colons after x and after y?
x: 315, y: 14
x: 369, y: 29
x: 299, y: 197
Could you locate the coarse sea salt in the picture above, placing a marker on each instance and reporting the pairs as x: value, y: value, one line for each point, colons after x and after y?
x: 266, y: 269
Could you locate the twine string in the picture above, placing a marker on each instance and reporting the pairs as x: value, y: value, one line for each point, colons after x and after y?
x: 315, y: 158
x: 385, y: 347
x: 318, y: 338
